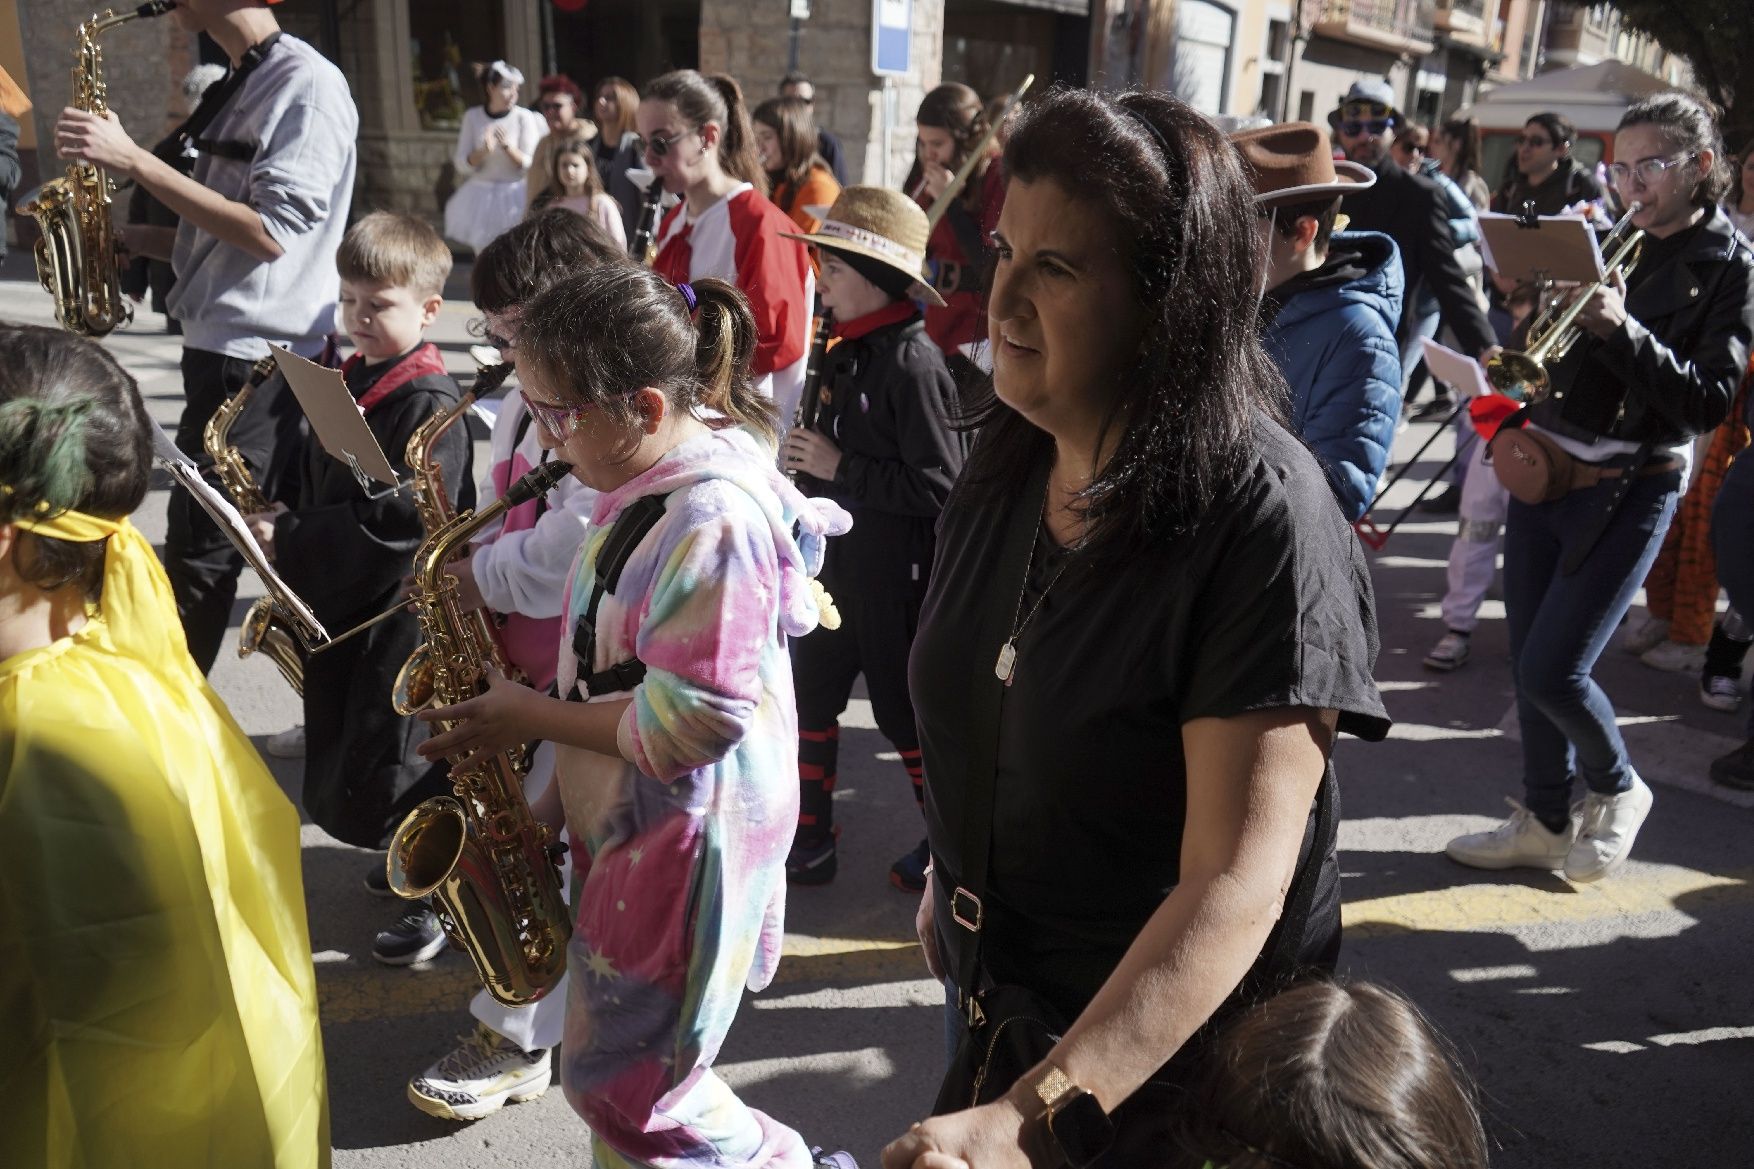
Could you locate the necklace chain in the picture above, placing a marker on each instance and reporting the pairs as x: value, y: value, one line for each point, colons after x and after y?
x: 1005, y: 668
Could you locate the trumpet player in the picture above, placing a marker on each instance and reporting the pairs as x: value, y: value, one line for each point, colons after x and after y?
x: 1661, y: 350
x: 262, y: 215
x: 346, y: 553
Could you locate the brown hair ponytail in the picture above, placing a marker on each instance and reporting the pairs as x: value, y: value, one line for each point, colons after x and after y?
x: 717, y: 98
x: 725, y: 338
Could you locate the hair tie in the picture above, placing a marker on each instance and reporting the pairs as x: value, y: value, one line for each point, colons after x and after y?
x: 1150, y: 128
x: 687, y: 291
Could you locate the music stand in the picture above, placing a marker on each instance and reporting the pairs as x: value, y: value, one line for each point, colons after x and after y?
x: 1557, y: 249
x: 337, y: 420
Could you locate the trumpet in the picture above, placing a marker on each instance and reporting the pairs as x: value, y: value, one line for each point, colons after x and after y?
x: 1523, y: 375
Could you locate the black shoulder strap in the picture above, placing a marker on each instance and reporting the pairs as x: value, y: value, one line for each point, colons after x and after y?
x: 967, y: 900
x: 631, y: 527
x: 215, y: 99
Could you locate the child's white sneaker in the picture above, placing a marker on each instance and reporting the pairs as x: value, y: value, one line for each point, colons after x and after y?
x: 479, y: 1076
x: 1522, y: 841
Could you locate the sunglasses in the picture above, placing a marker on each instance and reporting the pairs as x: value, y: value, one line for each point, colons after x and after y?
x: 1353, y: 127
x: 660, y: 145
x: 560, y: 422
x: 553, y: 105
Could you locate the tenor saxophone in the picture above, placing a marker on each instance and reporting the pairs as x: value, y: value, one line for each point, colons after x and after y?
x: 413, y: 690
x: 268, y: 628
x: 488, y: 863
x: 77, y: 259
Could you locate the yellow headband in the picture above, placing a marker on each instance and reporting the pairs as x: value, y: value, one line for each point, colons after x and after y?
x: 72, y: 525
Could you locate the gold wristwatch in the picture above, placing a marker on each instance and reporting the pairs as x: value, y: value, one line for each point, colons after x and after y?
x: 1074, y: 1129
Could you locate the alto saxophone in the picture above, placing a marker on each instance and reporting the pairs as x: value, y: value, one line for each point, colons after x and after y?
x: 489, y: 865
x: 268, y: 628
x: 413, y: 690
x: 77, y: 260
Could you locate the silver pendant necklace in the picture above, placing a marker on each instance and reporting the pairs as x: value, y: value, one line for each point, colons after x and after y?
x: 1005, y: 668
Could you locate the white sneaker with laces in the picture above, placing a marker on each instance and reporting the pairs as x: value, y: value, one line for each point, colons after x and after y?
x: 1720, y: 693
x: 288, y: 744
x: 1609, y: 826
x: 1450, y: 652
x: 837, y: 1160
x: 1674, y: 657
x: 479, y: 1076
x: 1520, y: 842
x: 1647, y: 634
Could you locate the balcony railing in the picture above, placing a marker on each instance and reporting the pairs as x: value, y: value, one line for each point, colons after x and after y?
x: 1395, y: 25
x: 1462, y: 20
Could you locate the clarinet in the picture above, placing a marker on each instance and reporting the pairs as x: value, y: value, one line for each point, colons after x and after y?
x: 645, y: 237
x: 810, y: 400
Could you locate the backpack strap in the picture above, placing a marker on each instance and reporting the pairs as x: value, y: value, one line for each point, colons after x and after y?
x: 631, y: 527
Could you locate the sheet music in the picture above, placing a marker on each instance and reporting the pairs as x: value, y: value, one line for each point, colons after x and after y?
x: 231, y: 523
x: 1460, y: 373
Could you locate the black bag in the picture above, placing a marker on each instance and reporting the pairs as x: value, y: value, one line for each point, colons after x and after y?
x: 1011, y: 1029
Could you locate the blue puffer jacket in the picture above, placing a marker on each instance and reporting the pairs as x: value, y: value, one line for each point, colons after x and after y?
x: 1334, y: 340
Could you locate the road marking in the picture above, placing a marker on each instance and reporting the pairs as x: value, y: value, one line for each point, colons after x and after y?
x: 1675, y: 1039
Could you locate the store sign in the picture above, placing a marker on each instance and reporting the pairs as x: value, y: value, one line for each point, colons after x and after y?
x: 891, y: 42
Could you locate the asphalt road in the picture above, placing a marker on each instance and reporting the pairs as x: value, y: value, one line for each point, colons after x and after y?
x: 1606, y: 1025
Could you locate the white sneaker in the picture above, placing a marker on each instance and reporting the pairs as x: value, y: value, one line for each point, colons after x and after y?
x: 1647, y: 634
x: 1720, y: 693
x: 1674, y: 657
x: 1450, y: 652
x: 1610, y: 824
x: 477, y: 1078
x: 288, y: 744
x: 1520, y: 842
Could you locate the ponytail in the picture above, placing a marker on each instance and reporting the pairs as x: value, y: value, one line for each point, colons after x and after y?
x: 724, y: 347
x: 737, y: 156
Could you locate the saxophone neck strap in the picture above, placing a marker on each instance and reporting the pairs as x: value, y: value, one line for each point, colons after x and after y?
x: 631, y: 527
x: 214, y: 101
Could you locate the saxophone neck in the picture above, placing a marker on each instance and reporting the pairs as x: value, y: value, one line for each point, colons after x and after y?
x: 441, y: 545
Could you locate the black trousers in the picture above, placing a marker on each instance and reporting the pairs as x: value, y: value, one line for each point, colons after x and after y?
x: 202, y: 564
x: 876, y: 632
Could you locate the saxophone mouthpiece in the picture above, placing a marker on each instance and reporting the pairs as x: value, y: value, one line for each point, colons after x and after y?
x: 538, y: 482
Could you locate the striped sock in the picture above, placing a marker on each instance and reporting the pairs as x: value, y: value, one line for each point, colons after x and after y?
x: 916, y: 771
x: 818, y: 757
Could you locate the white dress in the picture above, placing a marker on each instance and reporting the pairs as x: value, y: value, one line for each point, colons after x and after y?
x: 491, y: 198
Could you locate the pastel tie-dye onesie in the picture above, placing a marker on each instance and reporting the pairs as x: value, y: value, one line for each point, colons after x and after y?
x: 682, y: 865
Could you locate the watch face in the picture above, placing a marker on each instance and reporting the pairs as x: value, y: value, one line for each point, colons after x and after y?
x: 1081, y: 1129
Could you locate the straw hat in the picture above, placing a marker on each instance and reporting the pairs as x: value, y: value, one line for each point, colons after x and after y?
x: 881, y: 225
x: 1294, y: 163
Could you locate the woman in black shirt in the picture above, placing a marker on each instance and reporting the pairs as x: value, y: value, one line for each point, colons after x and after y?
x: 1658, y: 363
x: 1145, y: 624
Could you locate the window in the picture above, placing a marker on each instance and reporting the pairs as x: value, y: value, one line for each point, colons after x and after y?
x: 1204, y: 32
x: 1272, y: 87
x: 444, y: 74
x: 1306, y: 106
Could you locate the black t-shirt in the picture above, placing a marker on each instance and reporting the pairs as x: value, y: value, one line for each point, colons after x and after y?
x: 1267, y: 604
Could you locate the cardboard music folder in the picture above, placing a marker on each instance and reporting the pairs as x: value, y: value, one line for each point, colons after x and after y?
x: 336, y: 417
x: 1460, y: 373
x: 1561, y: 248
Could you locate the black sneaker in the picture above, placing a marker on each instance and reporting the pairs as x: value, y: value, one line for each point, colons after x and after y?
x: 1438, y: 407
x: 1447, y: 503
x: 812, y: 859
x: 377, y: 880
x: 416, y: 937
x: 909, y: 873
x: 1735, y: 769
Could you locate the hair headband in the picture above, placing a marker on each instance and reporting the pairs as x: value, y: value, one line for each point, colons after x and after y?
x: 687, y: 291
x: 1150, y: 128
x: 510, y: 72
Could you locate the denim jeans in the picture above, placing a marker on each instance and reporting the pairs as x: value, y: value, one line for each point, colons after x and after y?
x: 1560, y: 623
x: 1732, y: 540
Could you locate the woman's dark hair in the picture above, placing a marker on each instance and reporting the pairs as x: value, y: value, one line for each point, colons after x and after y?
x: 74, y: 436
x: 597, y: 337
x: 1465, y: 133
x: 626, y: 109
x: 955, y: 108
x: 1557, y: 126
x: 523, y: 260
x: 702, y: 98
x: 583, y: 147
x: 1332, y: 1076
x: 790, y: 120
x: 1184, y: 219
x: 1734, y: 195
x: 1690, y: 128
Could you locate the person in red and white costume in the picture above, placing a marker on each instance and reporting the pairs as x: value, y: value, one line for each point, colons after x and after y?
x: 698, y: 142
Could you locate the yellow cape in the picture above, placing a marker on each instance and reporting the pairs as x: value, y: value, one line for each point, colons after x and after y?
x: 158, y: 1006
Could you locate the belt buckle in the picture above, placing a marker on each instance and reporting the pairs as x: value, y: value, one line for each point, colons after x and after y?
x: 960, y: 897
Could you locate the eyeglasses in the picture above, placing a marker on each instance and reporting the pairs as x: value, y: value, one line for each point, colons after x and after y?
x: 660, y: 145
x: 1648, y: 170
x: 501, y: 343
x: 560, y: 422
x: 1534, y: 143
x: 1353, y: 127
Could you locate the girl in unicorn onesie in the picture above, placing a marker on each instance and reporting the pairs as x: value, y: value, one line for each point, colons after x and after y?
x: 676, y: 738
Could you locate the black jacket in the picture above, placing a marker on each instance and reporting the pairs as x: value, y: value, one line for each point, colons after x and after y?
x: 1565, y: 187
x: 887, y: 401
x: 1412, y: 210
x: 1672, y: 371
x: 347, y: 554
